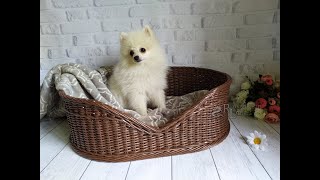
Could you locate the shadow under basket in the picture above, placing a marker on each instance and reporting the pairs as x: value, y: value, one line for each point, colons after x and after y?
x: 102, y: 133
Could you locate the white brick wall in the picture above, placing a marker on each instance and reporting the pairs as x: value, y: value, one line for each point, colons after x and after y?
x: 240, y: 37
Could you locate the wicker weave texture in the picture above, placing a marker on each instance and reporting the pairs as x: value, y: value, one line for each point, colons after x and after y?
x: 100, y: 132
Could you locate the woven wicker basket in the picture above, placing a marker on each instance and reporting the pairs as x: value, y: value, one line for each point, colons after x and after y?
x: 100, y: 132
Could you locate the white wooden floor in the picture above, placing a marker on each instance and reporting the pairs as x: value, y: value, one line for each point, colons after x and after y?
x: 232, y: 159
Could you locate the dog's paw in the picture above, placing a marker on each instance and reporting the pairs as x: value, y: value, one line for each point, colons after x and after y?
x: 165, y: 111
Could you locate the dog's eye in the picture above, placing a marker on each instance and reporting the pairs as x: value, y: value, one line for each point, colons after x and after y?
x: 131, y: 53
x: 142, y: 50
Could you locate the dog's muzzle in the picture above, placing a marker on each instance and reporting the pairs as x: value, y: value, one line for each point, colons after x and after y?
x: 137, y: 59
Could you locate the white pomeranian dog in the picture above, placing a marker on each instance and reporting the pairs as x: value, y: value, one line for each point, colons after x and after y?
x: 140, y: 77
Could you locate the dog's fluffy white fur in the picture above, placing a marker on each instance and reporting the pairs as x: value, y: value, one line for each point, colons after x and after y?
x: 139, y: 78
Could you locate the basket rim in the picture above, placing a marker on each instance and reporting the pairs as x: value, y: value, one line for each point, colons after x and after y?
x: 175, y: 121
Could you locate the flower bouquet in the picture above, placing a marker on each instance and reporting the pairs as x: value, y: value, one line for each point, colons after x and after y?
x: 260, y: 99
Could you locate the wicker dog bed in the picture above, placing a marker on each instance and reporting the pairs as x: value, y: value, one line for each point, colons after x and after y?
x: 100, y: 132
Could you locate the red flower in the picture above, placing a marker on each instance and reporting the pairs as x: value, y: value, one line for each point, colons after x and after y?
x: 274, y: 109
x: 272, y: 101
x: 272, y: 118
x: 261, y: 103
x: 269, y: 82
x: 278, y: 95
x: 264, y: 78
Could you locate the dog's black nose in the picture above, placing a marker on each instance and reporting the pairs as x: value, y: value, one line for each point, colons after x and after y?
x: 136, y: 58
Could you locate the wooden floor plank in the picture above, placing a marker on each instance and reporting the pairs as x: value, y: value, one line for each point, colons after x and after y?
x: 53, y: 143
x: 47, y: 125
x: 199, y: 165
x: 276, y: 127
x: 67, y: 165
x: 270, y: 158
x: 106, y: 171
x: 155, y: 169
x: 235, y: 160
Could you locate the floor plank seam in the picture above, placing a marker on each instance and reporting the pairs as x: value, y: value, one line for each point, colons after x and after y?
x: 54, y: 157
x: 51, y: 130
x: 251, y: 150
x: 85, y: 170
x: 274, y: 129
x: 215, y: 164
x: 127, y: 171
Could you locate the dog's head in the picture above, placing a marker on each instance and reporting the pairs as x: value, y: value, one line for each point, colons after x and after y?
x: 137, y: 46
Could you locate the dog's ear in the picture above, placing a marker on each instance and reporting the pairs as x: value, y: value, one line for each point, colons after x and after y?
x: 147, y: 29
x: 123, y: 36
